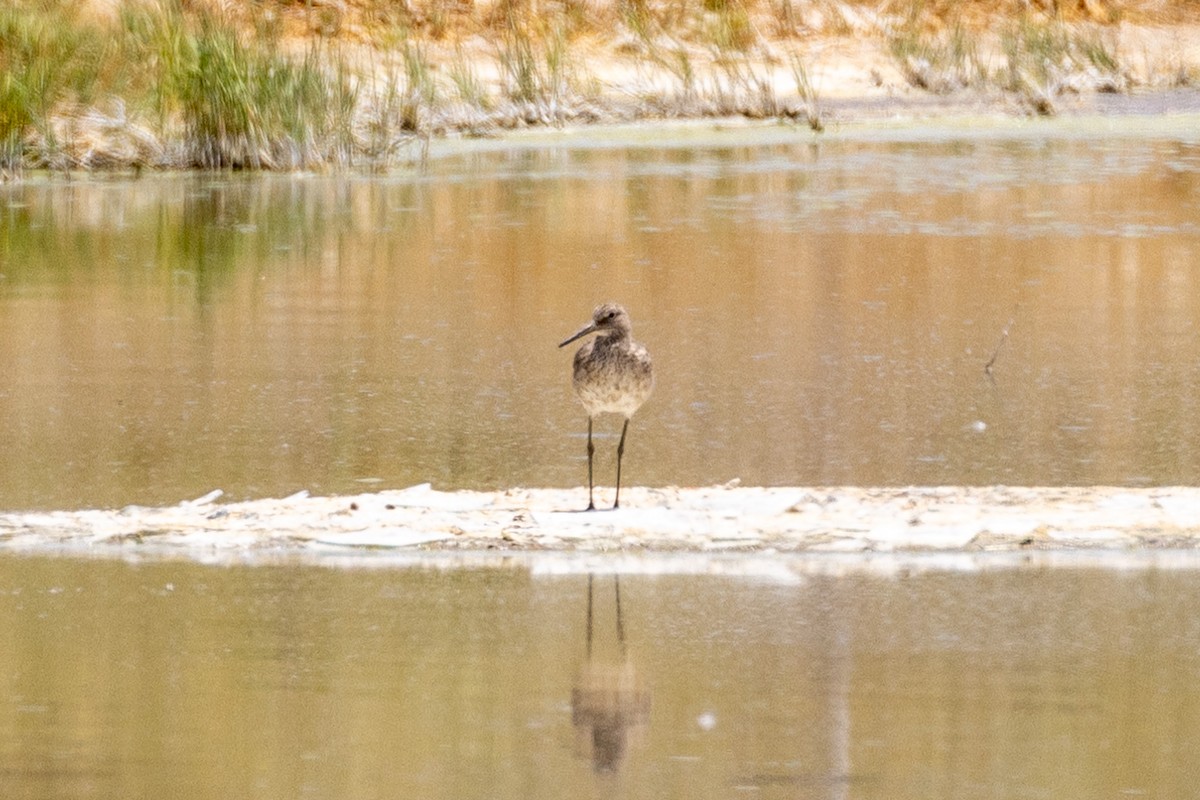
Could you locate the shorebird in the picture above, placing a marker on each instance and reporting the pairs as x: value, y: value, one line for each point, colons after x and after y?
x: 613, y: 374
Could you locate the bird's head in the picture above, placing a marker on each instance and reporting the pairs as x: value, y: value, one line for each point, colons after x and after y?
x: 609, y: 318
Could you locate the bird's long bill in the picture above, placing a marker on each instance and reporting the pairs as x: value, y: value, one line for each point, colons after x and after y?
x: 579, y: 334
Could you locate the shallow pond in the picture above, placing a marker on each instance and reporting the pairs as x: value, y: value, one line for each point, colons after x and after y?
x: 820, y: 310
x: 192, y: 681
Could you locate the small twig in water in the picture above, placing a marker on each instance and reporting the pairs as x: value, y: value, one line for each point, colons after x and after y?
x: 999, y: 346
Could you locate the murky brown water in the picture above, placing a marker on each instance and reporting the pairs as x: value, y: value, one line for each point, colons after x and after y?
x: 191, y: 681
x: 820, y: 314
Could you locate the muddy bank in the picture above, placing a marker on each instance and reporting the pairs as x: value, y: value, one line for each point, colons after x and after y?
x: 730, y: 519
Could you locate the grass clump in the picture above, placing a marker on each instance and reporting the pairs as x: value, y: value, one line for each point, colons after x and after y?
x: 46, y: 61
x: 938, y: 63
x: 220, y: 98
x: 1042, y: 57
x: 421, y: 88
x: 810, y: 103
x: 637, y: 18
x: 243, y: 105
x: 1046, y: 59
x: 537, y: 71
x: 521, y: 68
x: 730, y: 27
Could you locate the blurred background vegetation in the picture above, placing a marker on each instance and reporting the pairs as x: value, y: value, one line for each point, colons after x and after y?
x: 268, y: 84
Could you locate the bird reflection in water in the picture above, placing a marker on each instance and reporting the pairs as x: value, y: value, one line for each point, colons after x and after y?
x: 610, y: 705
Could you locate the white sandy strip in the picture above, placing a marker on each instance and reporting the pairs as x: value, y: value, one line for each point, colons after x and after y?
x: 705, y: 520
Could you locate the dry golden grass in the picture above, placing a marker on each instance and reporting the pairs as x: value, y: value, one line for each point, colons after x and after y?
x: 439, y: 20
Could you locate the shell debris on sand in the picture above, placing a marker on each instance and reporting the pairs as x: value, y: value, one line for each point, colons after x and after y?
x: 670, y: 520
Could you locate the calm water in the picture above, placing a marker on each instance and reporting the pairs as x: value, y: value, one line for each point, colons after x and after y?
x: 820, y: 314
x: 191, y: 681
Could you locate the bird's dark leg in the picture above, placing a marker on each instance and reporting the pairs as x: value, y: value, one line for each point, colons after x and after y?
x: 589, y: 618
x: 591, y: 451
x: 620, y: 452
x: 620, y: 621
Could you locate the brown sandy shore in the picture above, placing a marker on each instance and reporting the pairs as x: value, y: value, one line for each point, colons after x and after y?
x: 747, y: 521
